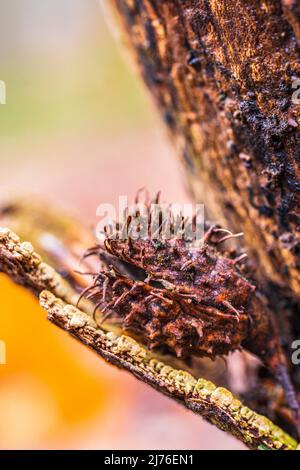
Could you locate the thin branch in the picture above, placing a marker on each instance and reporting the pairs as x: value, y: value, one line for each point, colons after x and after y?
x: 216, y: 404
x: 25, y: 267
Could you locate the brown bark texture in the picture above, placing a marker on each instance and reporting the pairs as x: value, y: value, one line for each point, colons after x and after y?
x: 222, y: 73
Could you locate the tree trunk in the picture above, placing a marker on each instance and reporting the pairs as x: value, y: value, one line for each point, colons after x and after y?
x: 222, y: 73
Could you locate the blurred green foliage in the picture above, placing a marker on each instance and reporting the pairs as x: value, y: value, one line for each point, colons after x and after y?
x: 91, y: 88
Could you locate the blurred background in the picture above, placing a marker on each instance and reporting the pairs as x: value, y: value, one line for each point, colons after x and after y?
x: 78, y: 129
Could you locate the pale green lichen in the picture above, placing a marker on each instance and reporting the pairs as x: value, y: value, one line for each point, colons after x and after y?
x: 203, y: 387
x: 222, y: 396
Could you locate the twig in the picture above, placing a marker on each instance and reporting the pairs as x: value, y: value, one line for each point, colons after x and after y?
x: 25, y: 266
x: 215, y: 404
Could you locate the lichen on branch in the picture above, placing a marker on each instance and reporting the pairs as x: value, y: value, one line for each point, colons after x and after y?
x: 215, y: 404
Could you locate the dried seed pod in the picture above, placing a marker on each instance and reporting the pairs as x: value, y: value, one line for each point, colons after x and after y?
x: 165, y: 319
x: 190, y: 301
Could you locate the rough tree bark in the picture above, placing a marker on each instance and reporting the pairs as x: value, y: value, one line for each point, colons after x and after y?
x: 221, y: 73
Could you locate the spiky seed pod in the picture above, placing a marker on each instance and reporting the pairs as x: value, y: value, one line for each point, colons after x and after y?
x: 166, y: 320
x: 204, y: 283
x: 190, y: 301
x: 203, y: 275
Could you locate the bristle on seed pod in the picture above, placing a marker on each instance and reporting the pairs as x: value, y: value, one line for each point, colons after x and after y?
x: 163, y: 318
